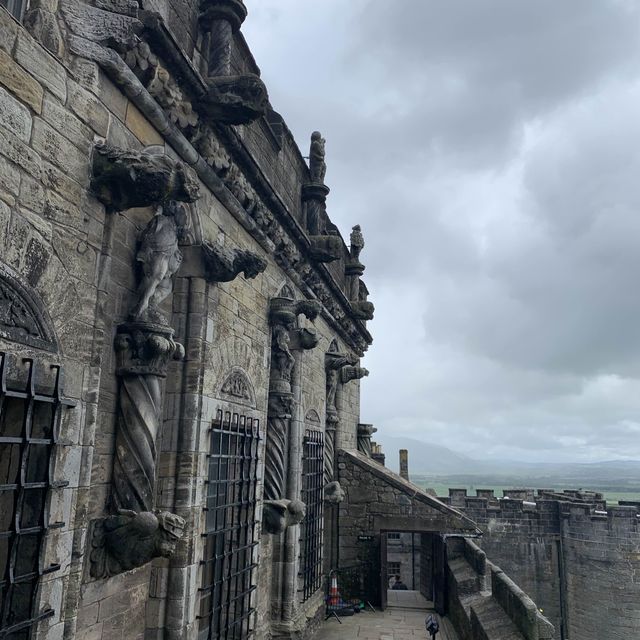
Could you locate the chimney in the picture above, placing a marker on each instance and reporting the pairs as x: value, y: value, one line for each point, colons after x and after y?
x: 404, y: 464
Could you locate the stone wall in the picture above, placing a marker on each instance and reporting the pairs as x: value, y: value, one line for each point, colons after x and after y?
x: 78, y: 262
x: 576, y: 560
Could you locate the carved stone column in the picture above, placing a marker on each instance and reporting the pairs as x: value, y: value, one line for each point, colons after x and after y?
x: 143, y: 352
x: 220, y: 20
x: 144, y: 346
x: 230, y: 99
x: 279, y: 511
x: 365, y: 431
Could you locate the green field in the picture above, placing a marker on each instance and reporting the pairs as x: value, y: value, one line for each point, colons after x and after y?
x: 441, y: 485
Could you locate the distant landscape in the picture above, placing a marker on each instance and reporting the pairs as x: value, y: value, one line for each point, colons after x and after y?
x: 439, y: 468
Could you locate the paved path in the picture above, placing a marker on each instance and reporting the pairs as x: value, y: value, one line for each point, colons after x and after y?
x: 398, y: 622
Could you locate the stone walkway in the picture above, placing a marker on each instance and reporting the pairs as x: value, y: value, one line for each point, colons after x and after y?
x: 398, y: 622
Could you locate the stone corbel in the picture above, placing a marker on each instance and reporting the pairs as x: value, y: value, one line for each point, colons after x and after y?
x: 365, y: 431
x: 326, y: 248
x: 123, y: 178
x: 333, y: 493
x: 363, y: 309
x: 277, y: 515
x: 349, y: 373
x: 223, y: 265
x: 129, y: 540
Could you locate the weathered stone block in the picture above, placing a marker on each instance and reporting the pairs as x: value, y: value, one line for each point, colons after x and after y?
x: 20, y: 83
x: 140, y: 127
x: 14, y: 116
x: 19, y: 153
x: 41, y: 65
x: 88, y: 108
x: 64, y: 122
x: 56, y: 148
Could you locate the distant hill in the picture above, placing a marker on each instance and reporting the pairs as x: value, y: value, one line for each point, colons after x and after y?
x: 437, y: 460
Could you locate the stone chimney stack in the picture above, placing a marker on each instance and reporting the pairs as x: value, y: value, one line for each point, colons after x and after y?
x: 404, y: 463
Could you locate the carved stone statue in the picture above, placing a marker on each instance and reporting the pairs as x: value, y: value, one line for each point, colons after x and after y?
x: 333, y: 493
x: 128, y: 540
x: 160, y: 258
x: 357, y: 243
x: 333, y: 362
x: 223, y: 265
x: 277, y: 515
x: 123, y: 178
x: 317, y: 164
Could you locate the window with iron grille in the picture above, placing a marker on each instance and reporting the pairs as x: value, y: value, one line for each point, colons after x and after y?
x: 393, y: 535
x: 14, y: 7
x: 29, y: 428
x: 226, y: 603
x: 312, y: 525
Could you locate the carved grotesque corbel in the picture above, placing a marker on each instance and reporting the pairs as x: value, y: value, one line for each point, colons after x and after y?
x: 333, y: 493
x: 277, y: 515
x: 123, y: 178
x: 365, y: 431
x: 224, y: 265
x: 363, y: 309
x: 326, y: 248
x: 42, y: 24
x: 349, y: 373
x: 128, y: 540
x: 234, y: 99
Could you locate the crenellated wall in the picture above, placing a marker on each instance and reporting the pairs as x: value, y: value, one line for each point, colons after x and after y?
x: 576, y: 557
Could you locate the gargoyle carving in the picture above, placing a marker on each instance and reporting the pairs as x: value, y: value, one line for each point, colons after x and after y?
x: 224, y: 265
x: 123, y: 179
x: 349, y: 373
x: 234, y: 99
x: 333, y: 493
x: 128, y: 540
x: 363, y: 310
x: 277, y: 515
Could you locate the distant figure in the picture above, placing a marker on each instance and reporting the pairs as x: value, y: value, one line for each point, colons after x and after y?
x: 392, y: 581
x: 398, y: 585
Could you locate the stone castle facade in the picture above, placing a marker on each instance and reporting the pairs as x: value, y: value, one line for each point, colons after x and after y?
x: 181, y: 328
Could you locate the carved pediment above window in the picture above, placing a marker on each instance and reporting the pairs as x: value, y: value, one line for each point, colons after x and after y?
x: 23, y: 317
x: 238, y: 388
x: 312, y: 417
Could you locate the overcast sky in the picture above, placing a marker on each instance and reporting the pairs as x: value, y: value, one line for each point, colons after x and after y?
x: 490, y: 149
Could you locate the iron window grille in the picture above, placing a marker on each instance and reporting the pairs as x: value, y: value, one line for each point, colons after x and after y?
x: 226, y: 606
x: 312, y: 526
x: 29, y: 431
x: 393, y: 535
x: 14, y: 7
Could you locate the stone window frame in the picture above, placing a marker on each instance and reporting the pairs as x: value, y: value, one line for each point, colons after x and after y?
x: 229, y: 563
